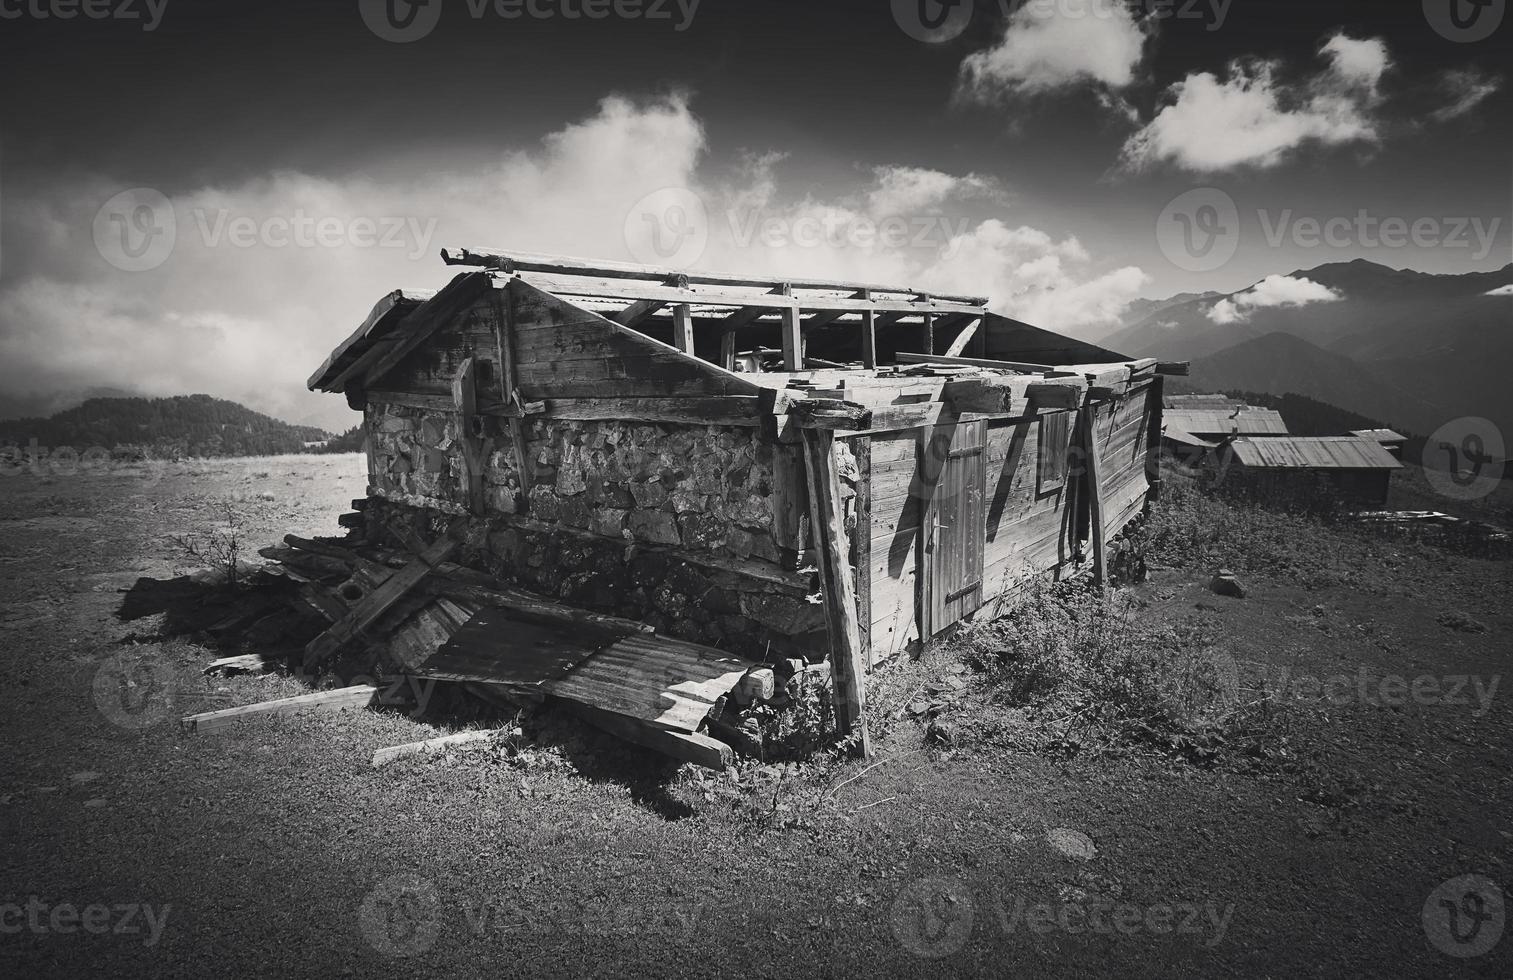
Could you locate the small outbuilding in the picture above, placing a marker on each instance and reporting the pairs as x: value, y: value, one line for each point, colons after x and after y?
x: 1355, y: 469
x: 1389, y: 440
x: 650, y: 493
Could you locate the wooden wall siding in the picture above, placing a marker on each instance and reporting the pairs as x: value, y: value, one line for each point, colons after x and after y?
x: 896, y: 512
x: 954, y: 528
x: 564, y: 351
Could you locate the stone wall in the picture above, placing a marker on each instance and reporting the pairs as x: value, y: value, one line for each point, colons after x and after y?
x: 707, y: 489
x: 667, y: 524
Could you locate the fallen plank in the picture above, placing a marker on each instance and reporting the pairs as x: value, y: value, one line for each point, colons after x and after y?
x: 701, y: 750
x: 431, y: 745
x: 357, y: 696
x: 249, y: 663
x: 377, y: 602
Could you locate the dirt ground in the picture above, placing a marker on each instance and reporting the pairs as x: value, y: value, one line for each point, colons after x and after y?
x: 129, y: 846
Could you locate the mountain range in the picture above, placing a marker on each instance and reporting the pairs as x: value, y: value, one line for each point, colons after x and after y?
x: 1412, y: 348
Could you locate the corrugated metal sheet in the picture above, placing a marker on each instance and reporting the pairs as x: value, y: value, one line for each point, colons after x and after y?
x: 1223, y: 422
x: 1314, y: 453
x: 1185, y: 438
x: 1380, y: 435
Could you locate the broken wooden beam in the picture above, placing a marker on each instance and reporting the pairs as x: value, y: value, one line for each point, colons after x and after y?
x: 368, y: 609
x: 430, y: 746
x: 1174, y: 368
x: 250, y: 663
x: 693, y: 747
x: 356, y: 696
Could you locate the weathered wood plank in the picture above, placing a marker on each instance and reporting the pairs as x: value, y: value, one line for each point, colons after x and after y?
x: 827, y: 514
x: 693, y: 747
x: 430, y: 746
x: 356, y: 696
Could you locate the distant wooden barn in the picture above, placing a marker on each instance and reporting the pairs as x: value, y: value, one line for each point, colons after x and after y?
x: 639, y: 489
x: 1388, y: 439
x: 1356, y: 470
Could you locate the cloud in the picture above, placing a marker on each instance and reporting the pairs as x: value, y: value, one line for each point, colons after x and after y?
x: 1501, y: 290
x: 1271, y: 292
x: 1465, y: 89
x: 244, y: 308
x: 910, y: 190
x: 1251, y: 119
x: 1050, y: 46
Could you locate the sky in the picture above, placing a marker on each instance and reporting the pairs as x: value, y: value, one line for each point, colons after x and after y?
x: 209, y: 196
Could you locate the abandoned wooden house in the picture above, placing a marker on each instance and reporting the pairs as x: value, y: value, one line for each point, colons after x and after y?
x: 1354, y: 470
x: 660, y: 495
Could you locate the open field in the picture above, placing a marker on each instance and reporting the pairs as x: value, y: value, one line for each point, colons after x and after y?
x: 276, y: 848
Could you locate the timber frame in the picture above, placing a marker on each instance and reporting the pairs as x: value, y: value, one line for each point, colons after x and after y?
x: 874, y: 445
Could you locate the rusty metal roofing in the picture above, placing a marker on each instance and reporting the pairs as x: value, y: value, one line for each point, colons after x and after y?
x: 1380, y: 435
x: 1313, y: 453
x: 1223, y: 422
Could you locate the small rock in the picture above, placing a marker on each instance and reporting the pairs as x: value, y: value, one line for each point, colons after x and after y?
x: 1073, y: 844
x: 95, y: 803
x: 1224, y: 583
x: 1456, y: 620
x: 80, y: 778
x: 939, y: 733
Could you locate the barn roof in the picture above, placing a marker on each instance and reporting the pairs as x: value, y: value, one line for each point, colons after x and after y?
x: 1380, y: 435
x: 1185, y: 438
x: 1224, y: 421
x: 1313, y: 452
x: 1201, y: 401
x: 715, y: 305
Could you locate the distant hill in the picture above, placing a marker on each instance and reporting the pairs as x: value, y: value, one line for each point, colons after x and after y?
x: 185, y: 425
x: 1415, y: 348
x: 1281, y: 364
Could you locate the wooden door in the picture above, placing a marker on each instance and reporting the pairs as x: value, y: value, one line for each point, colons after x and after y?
x: 954, y: 529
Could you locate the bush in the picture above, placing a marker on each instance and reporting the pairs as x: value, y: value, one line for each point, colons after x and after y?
x: 1094, y: 677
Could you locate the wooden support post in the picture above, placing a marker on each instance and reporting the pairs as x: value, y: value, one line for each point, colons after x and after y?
x: 509, y: 381
x: 927, y: 341
x: 474, y: 446
x: 682, y: 328
x: 869, y: 334
x: 1153, y: 408
x: 640, y: 310
x: 827, y: 514
x: 861, y: 448
x: 793, y: 336
x: 1089, y: 443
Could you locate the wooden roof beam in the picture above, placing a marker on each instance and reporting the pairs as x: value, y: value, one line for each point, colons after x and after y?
x: 517, y: 262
